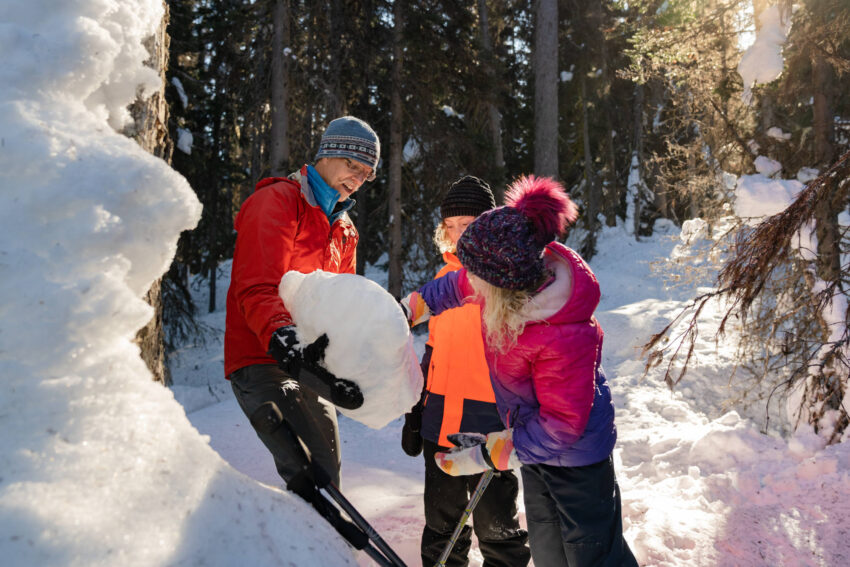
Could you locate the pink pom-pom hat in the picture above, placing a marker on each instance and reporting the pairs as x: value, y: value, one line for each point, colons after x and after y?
x: 504, y: 246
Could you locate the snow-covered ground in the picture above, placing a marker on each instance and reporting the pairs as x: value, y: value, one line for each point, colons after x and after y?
x: 701, y: 485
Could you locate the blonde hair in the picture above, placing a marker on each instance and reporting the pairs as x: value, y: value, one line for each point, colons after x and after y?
x: 502, y: 314
x: 442, y: 240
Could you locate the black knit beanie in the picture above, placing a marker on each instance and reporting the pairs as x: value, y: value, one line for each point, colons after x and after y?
x: 468, y: 196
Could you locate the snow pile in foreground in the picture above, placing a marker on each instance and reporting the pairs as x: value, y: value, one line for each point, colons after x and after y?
x: 369, y: 341
x: 98, y: 464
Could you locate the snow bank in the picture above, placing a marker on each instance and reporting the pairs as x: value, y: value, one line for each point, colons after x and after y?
x: 700, y: 484
x: 759, y: 196
x: 369, y: 340
x: 98, y: 464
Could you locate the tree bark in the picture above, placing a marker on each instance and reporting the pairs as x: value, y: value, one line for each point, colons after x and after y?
x: 395, y: 276
x: 593, y: 197
x: 823, y: 111
x: 151, y: 132
x: 494, y: 117
x: 280, y: 89
x: 546, y: 87
x: 336, y: 26
x: 611, y: 187
x: 637, y: 152
x: 656, y: 101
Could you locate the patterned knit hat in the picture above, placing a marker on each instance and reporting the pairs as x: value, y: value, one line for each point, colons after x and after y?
x: 468, y: 196
x: 350, y: 137
x: 504, y: 247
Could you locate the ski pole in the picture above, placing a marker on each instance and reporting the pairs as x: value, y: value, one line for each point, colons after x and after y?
x: 473, y: 501
x: 323, y: 480
x: 361, y: 522
x: 269, y: 419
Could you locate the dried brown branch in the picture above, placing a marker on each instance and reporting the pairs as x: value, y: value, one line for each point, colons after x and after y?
x: 768, y: 290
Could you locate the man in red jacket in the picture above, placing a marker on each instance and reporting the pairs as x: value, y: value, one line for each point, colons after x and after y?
x: 299, y: 222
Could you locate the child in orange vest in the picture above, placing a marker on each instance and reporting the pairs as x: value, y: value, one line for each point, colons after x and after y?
x: 458, y: 397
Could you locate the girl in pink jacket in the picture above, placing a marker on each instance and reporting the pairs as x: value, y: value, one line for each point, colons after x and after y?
x: 543, y: 348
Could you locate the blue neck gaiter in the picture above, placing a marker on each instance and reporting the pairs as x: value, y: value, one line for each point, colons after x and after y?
x: 326, y: 196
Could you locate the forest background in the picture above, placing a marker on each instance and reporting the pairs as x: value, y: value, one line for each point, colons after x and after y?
x: 640, y: 108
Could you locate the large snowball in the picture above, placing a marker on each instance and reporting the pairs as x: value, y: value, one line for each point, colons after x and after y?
x: 369, y: 341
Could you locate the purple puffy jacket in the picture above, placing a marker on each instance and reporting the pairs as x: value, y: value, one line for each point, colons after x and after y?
x: 549, y: 386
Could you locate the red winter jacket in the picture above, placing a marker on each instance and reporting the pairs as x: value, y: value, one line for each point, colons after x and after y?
x: 279, y: 228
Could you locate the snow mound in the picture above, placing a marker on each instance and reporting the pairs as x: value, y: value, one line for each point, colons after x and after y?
x: 760, y: 196
x: 369, y: 341
x: 767, y: 167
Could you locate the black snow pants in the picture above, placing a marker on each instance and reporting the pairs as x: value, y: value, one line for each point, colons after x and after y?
x: 312, y: 419
x: 500, y: 539
x: 574, y: 516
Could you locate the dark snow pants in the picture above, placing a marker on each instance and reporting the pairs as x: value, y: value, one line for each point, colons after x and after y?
x: 574, y: 516
x: 312, y: 419
x: 501, y: 540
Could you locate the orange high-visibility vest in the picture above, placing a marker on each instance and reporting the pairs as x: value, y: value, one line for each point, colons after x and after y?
x: 459, y: 396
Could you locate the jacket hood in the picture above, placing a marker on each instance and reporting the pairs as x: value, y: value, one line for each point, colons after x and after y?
x: 268, y: 181
x: 298, y: 177
x: 573, y: 296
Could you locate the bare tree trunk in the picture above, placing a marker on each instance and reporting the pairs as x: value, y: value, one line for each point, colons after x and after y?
x: 546, y: 87
x: 395, y: 276
x: 637, y: 152
x: 151, y: 132
x: 257, y: 134
x: 659, y: 195
x: 591, y: 190
x: 280, y: 88
x: 371, y: 198
x: 827, y: 228
x: 824, y: 135
x: 611, y: 188
x: 693, y: 207
x: 494, y: 118
x: 336, y: 26
x: 212, y: 269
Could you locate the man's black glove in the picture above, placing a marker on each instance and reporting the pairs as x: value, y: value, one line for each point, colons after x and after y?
x: 302, y: 363
x: 411, y: 440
